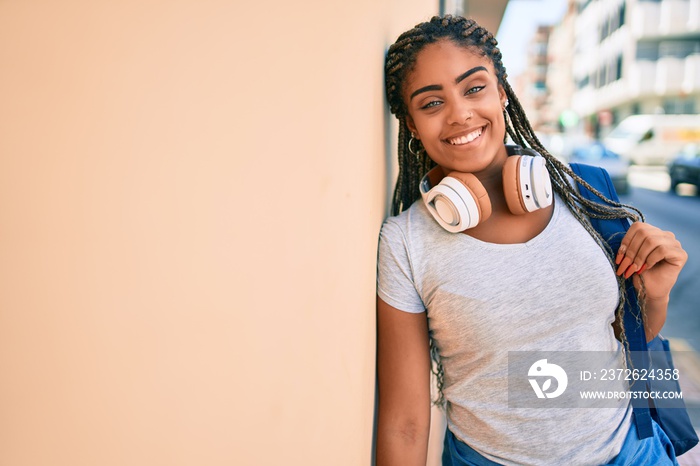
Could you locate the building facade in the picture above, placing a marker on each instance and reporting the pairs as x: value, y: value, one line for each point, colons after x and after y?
x: 635, y: 56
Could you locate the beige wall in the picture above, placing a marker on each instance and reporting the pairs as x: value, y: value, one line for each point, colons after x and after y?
x: 190, y: 196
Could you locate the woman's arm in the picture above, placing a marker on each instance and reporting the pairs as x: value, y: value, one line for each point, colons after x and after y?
x: 403, y: 367
x: 658, y: 257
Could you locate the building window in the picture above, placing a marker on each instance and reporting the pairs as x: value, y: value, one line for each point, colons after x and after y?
x: 603, y: 31
x: 647, y: 51
x: 602, y: 76
x: 539, y: 88
x: 678, y: 48
x: 582, y: 6
x: 679, y: 105
x: 621, y: 15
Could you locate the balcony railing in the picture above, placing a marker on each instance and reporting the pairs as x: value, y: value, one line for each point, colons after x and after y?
x: 691, y: 75
x: 667, y: 75
x: 665, y: 18
x: 643, y: 78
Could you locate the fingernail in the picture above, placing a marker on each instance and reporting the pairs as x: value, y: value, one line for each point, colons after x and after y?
x: 620, y: 256
x: 630, y: 270
x: 642, y: 268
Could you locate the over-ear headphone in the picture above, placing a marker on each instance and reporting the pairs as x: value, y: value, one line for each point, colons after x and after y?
x: 459, y: 201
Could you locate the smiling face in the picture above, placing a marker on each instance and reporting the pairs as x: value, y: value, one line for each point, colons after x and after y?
x: 455, y: 107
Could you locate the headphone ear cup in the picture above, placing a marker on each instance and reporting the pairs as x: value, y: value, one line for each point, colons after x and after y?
x: 511, y: 185
x: 541, y: 189
x: 478, y: 192
x: 526, y: 183
x: 457, y: 202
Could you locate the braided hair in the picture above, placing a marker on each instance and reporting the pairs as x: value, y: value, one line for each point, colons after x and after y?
x: 414, y: 162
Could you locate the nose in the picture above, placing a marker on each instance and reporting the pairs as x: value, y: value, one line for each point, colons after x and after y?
x: 460, y: 112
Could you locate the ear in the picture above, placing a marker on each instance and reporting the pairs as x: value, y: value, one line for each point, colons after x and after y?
x: 411, y: 126
x: 502, y: 96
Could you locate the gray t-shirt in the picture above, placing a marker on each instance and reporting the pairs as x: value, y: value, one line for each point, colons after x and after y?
x: 556, y: 292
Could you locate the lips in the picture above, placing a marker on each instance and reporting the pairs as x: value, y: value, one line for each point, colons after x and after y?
x: 465, y: 138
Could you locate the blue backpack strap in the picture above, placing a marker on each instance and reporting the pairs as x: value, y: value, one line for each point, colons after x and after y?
x: 612, y: 231
x: 598, y: 178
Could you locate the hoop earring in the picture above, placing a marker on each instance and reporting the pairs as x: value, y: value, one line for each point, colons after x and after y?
x: 416, y: 153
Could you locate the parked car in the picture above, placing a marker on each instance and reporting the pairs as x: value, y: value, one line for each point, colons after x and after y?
x: 597, y: 154
x: 653, y: 139
x: 685, y: 167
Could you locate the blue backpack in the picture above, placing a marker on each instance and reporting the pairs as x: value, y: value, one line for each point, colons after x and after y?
x: 670, y: 414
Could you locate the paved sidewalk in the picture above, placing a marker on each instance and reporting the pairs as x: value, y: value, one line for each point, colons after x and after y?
x: 691, y: 458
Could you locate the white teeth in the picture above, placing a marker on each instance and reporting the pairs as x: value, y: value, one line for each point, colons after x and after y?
x: 465, y: 139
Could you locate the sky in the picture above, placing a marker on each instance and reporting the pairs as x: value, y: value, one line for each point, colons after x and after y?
x: 519, y: 23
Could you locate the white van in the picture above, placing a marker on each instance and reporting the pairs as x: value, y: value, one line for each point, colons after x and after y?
x: 653, y: 139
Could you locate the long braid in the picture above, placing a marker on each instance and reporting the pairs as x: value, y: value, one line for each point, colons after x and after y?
x: 411, y: 167
x: 400, y: 61
x: 582, y: 208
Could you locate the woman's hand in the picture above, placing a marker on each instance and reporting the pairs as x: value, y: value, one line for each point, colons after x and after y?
x: 656, y: 254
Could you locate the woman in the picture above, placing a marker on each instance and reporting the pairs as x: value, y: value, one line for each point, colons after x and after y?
x: 537, y: 279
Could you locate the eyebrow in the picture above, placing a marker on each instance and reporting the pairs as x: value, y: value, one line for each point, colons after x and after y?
x: 468, y: 73
x: 438, y: 87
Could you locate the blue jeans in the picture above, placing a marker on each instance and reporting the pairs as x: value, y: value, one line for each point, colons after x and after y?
x: 653, y: 451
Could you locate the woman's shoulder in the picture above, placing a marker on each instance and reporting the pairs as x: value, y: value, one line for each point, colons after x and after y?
x: 414, y: 220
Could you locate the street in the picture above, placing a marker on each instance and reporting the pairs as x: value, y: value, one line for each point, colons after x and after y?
x: 679, y: 213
